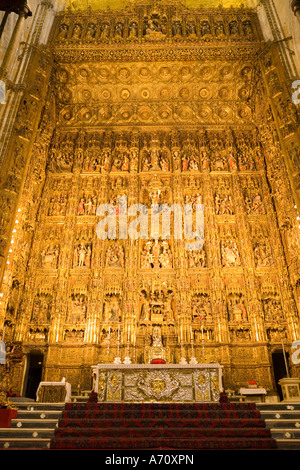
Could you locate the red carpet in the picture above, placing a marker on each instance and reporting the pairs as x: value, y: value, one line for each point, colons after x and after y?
x: 162, y: 426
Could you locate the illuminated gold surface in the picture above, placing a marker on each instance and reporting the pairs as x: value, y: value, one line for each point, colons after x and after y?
x: 116, y: 4
x: 200, y: 94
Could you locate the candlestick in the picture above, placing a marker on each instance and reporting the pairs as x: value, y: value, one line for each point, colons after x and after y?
x: 108, y: 342
x: 118, y: 359
x: 193, y: 359
x: 182, y: 359
x: 202, y: 342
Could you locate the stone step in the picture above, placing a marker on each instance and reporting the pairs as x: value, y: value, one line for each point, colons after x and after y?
x: 292, y: 423
x: 40, y: 406
x: 34, y: 426
x: 286, y: 444
x: 278, y: 406
x: 33, y: 423
x: 278, y: 414
x: 17, y: 433
x: 285, y: 433
x: 39, y: 414
x: 24, y: 443
x: 283, y: 420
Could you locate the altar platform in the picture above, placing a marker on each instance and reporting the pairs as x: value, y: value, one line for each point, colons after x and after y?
x: 157, y: 382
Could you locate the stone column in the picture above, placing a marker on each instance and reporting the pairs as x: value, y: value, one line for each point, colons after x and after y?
x: 295, y: 5
x: 23, y: 13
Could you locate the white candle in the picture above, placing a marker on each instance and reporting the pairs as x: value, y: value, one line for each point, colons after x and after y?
x: 191, y: 334
x: 181, y: 333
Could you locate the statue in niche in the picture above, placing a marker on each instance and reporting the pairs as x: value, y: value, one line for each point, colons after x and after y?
x: 246, y: 162
x: 105, y: 30
x: 41, y: 308
x: 176, y: 160
x: 254, y: 204
x: 156, y: 254
x: 77, y: 30
x: 191, y: 30
x: 87, y: 205
x: 247, y: 28
x: 224, y: 204
x: 77, y: 309
x: 237, y: 309
x: 157, y: 306
x: 65, y: 157
x: 205, y: 160
x: 262, y: 255
x: 57, y: 205
x: 82, y: 255
x: 134, y: 159
x: 177, y: 29
x: 189, y: 163
x: 219, y: 29
x: 90, y: 32
x: 232, y: 161
x: 145, y: 308
x: 273, y: 310
x: 63, y: 31
x: 114, y: 257
x: 111, y: 309
x: 105, y: 162
x: 197, y: 258
x: 201, y: 309
x: 205, y: 29
x: 229, y: 253
x: 80, y: 210
x: 133, y: 30
x: 218, y: 156
x: 156, y: 337
x: 155, y: 27
x: 119, y: 30
x: 193, y: 200
x: 49, y: 256
x: 168, y: 307
x: 233, y: 28
x: 121, y: 162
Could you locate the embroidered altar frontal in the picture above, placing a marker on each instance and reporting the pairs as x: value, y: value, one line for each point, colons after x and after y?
x: 157, y: 382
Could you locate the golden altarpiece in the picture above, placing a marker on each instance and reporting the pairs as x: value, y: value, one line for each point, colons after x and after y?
x: 162, y: 104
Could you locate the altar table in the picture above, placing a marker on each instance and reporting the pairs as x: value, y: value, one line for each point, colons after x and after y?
x: 54, y: 392
x: 254, y: 394
x: 157, y: 382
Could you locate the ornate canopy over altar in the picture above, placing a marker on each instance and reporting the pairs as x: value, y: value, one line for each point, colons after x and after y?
x: 157, y: 382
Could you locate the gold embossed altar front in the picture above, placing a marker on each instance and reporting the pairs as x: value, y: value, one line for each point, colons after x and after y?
x: 157, y: 382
